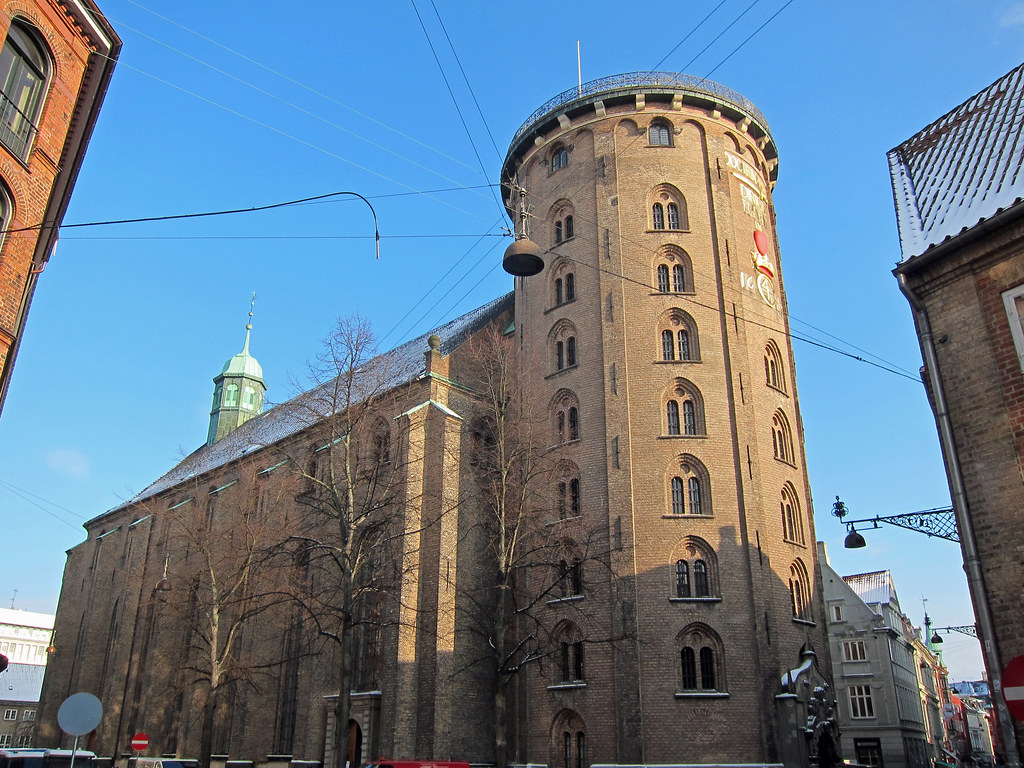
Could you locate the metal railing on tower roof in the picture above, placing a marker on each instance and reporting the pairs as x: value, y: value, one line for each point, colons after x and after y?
x: 642, y: 80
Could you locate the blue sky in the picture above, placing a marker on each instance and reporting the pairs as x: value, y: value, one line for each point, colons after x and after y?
x: 230, y: 105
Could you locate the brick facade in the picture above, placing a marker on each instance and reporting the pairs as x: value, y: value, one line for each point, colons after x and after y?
x: 683, y: 621
x: 39, y: 163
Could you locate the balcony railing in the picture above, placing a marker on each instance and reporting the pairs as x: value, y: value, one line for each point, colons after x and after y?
x: 644, y: 80
x: 16, y: 128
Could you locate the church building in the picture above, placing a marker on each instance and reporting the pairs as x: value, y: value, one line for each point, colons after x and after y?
x: 676, y: 614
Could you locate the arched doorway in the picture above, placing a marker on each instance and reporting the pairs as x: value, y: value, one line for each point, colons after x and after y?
x: 355, y: 745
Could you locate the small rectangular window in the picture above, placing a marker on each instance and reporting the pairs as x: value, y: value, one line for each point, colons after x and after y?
x: 5, y: 739
x: 30, y: 715
x: 837, y: 613
x: 10, y: 714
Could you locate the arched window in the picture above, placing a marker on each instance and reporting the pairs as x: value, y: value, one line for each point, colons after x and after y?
x: 248, y: 398
x: 689, y: 487
x: 799, y: 591
x: 563, y: 282
x: 561, y: 217
x: 773, y: 375
x: 673, y: 270
x: 559, y: 158
x: 782, y: 438
x: 24, y: 70
x: 682, y: 578
x: 570, y: 647
x: 663, y: 285
x: 700, y: 658
x: 668, y: 346
x: 569, y: 229
x: 658, y: 215
x: 684, y: 344
x: 570, y: 577
x: 696, y: 495
x: 666, y: 198
x: 700, y: 578
x: 563, y: 344
x: 574, y: 423
x: 558, y: 232
x: 659, y: 134
x: 792, y: 521
x: 678, y: 504
x: 231, y: 395
x: 672, y: 411
x: 567, y: 491
x: 673, y: 216
x: 574, y: 497
x: 565, y: 408
x: 678, y: 278
x: 689, y: 418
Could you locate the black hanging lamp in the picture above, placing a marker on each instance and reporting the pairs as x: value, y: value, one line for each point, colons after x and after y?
x: 523, y: 257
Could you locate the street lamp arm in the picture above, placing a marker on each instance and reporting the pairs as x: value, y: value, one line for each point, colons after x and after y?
x: 939, y: 523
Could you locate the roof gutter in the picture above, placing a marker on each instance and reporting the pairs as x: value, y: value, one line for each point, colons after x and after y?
x: 982, y: 229
x: 961, y: 509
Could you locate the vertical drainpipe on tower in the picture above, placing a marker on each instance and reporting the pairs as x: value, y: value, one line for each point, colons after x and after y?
x: 972, y: 564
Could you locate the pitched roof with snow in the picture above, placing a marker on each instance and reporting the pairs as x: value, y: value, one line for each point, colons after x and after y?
x: 875, y: 587
x: 962, y: 169
x: 21, y: 682
x: 390, y: 369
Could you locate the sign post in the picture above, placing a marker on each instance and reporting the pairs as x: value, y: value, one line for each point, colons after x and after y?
x: 1013, y: 687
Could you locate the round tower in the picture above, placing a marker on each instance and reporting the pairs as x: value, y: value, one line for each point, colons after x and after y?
x: 659, y: 333
x: 238, y: 391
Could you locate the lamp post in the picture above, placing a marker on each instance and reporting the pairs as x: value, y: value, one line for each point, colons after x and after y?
x: 938, y: 523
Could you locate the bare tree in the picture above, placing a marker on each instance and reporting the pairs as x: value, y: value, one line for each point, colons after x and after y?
x: 348, y: 548
x: 223, y: 576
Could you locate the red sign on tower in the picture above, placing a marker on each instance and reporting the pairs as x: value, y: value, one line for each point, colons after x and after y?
x: 140, y: 741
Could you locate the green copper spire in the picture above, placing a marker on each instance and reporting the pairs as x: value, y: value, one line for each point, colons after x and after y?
x: 238, y: 389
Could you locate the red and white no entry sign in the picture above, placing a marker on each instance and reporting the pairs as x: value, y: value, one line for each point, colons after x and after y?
x: 1013, y: 687
x: 140, y: 741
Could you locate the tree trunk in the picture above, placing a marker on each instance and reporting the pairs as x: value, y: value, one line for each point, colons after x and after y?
x: 206, y: 733
x: 343, y: 707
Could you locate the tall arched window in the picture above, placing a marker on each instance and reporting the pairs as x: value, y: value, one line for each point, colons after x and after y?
x: 782, y: 438
x: 673, y: 216
x: 663, y: 285
x: 773, y: 375
x: 678, y: 505
x: 574, y: 423
x: 570, y: 286
x: 672, y: 412
x: 668, y: 347
x: 682, y: 578
x: 570, y: 351
x: 689, y: 487
x: 689, y: 418
x: 559, y: 158
x: 792, y: 521
x: 700, y: 578
x: 700, y: 658
x: 231, y: 395
x: 24, y: 70
x: 799, y: 591
x: 679, y: 278
x: 658, y: 215
x: 684, y: 344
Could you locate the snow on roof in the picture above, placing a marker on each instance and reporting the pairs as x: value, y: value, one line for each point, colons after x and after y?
x: 20, y: 618
x: 875, y: 587
x: 400, y: 365
x: 962, y: 169
x: 21, y: 682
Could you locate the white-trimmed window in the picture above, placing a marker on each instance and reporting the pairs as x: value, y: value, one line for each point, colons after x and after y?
x: 1013, y: 300
x: 10, y: 714
x: 24, y: 71
x: 854, y: 650
x: 860, y: 702
x: 29, y: 716
x: 5, y: 739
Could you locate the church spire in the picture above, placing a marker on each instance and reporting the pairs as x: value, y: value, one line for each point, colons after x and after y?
x: 238, y: 389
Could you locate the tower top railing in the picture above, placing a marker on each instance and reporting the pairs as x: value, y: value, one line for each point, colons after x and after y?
x: 626, y: 80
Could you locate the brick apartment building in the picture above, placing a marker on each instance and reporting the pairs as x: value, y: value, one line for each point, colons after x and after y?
x: 681, y: 621
x: 57, y: 59
x: 958, y: 188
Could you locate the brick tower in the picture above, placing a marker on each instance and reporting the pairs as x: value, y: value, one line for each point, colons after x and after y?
x: 660, y: 331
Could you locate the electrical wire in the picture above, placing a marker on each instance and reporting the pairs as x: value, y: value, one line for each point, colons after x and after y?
x: 455, y: 101
x: 688, y: 35
x: 752, y: 34
x: 25, y: 496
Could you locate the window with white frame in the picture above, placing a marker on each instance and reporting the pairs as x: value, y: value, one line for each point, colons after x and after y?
x: 854, y: 650
x: 837, y: 613
x: 1013, y: 300
x: 860, y: 702
x: 5, y: 739
x: 10, y: 714
x: 29, y: 716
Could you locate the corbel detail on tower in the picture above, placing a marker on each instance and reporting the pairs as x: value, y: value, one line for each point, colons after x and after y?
x: 564, y: 122
x: 641, y: 102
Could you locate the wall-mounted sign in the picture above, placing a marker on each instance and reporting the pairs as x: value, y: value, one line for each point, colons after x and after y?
x: 762, y: 281
x: 753, y: 190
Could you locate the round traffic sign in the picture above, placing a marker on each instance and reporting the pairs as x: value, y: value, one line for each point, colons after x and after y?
x: 1013, y: 687
x: 140, y: 741
x: 79, y: 714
